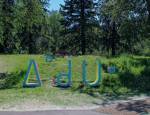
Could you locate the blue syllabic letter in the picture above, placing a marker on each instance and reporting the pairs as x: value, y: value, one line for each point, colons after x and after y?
x: 98, y: 74
x: 39, y: 82
x: 68, y: 75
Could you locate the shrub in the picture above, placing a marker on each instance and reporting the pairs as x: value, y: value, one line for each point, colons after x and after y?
x: 133, y: 75
x: 10, y: 80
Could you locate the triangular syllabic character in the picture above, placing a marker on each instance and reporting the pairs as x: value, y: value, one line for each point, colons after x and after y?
x: 39, y: 82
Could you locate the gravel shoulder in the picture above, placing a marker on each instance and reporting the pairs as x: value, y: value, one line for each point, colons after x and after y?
x: 132, y: 106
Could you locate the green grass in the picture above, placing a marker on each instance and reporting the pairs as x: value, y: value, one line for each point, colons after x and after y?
x: 132, y: 76
x: 15, y: 93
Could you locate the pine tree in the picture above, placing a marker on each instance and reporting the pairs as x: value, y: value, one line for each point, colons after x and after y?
x: 79, y: 15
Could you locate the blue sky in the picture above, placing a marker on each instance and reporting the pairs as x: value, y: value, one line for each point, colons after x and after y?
x: 55, y: 4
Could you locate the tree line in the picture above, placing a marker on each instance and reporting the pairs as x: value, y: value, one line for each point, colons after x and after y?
x: 109, y: 27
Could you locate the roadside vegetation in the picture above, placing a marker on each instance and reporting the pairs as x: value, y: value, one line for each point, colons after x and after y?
x: 132, y: 77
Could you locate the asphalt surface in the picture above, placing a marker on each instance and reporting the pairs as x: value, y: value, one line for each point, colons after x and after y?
x: 57, y: 112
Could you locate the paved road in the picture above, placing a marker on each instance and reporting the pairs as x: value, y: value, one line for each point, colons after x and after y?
x: 58, y: 112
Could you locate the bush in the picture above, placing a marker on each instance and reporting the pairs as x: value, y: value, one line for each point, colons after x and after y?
x: 133, y: 75
x: 110, y: 83
x: 10, y: 80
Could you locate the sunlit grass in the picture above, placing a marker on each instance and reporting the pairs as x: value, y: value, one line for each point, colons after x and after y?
x: 129, y: 68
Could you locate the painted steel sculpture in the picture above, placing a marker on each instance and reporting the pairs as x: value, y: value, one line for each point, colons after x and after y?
x: 26, y: 79
x: 98, y: 74
x: 111, y: 69
x: 49, y: 58
x: 67, y: 75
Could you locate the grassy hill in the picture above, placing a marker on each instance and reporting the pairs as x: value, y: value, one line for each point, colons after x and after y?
x: 132, y: 76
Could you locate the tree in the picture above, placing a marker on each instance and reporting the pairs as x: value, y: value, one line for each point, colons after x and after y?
x: 148, y: 20
x: 50, y: 40
x: 1, y: 47
x: 148, y: 9
x: 55, y: 29
x: 127, y: 17
x: 79, y: 15
x: 7, y: 26
x: 109, y: 25
x: 31, y: 23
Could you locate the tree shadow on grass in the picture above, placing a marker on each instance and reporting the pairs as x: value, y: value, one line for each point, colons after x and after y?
x: 140, y: 107
x: 129, y: 83
x: 81, y: 88
x: 139, y: 83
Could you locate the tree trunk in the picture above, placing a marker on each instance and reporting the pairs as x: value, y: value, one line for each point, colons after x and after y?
x: 148, y: 7
x: 148, y: 21
x: 82, y: 31
x: 30, y: 46
x: 113, y: 41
